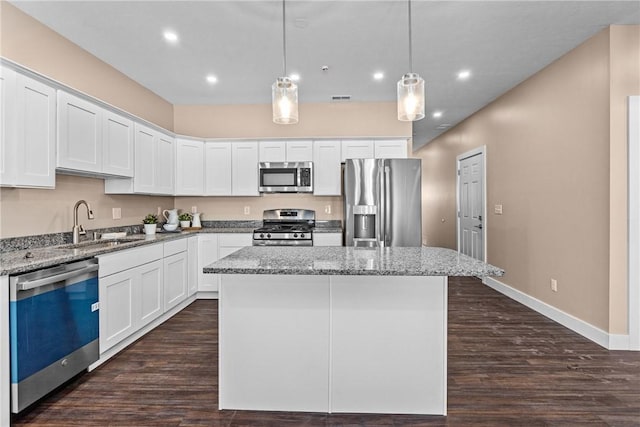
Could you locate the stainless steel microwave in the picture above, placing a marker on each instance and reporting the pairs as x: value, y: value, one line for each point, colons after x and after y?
x: 286, y: 177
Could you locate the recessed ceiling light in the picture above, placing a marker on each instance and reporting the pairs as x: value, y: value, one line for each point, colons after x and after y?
x: 170, y: 36
x: 212, y: 79
x: 464, y: 74
x: 437, y: 114
x: 295, y: 77
x: 378, y: 76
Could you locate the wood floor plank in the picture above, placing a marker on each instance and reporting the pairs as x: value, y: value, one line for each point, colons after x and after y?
x: 507, y: 366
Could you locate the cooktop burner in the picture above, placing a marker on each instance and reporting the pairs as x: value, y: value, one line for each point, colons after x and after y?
x: 285, y: 227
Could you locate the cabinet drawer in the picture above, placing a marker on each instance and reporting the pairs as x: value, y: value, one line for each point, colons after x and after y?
x: 235, y: 239
x: 175, y: 247
x: 124, y: 260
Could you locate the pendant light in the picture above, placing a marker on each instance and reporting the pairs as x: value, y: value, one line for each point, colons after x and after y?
x: 284, y: 92
x: 410, y: 90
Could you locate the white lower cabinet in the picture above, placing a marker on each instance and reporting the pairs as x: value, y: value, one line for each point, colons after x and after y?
x: 207, y: 253
x: 138, y: 285
x: 175, y: 273
x: 192, y: 265
x: 129, y: 300
x: 212, y: 247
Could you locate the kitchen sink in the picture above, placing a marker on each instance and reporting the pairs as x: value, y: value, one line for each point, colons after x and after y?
x: 100, y: 244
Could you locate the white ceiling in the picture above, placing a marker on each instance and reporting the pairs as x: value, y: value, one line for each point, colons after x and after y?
x: 240, y: 42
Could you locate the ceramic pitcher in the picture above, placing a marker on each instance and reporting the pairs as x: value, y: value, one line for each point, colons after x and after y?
x: 171, y: 215
x: 195, y: 220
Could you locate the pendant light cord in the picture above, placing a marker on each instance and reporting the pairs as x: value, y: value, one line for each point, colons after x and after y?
x: 284, y: 43
x: 410, y: 49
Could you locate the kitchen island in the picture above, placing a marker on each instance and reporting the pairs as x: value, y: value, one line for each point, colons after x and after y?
x: 336, y: 329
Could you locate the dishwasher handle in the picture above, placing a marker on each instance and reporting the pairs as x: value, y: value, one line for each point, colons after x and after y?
x: 36, y: 283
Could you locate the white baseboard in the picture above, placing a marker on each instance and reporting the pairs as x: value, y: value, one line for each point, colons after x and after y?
x: 207, y: 295
x: 597, y: 335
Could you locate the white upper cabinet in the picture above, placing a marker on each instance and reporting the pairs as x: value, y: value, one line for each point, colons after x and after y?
x: 357, y: 149
x: 117, y: 145
x: 27, y: 132
x: 154, y: 165
x: 93, y: 140
x: 327, y: 169
x: 244, y: 168
x: 217, y: 174
x: 165, y: 161
x: 299, y: 151
x: 189, y: 167
x: 79, y: 134
x: 273, y: 151
x: 286, y: 151
x: 391, y: 149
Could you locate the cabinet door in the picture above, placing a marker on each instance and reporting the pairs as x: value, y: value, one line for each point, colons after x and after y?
x: 145, y: 163
x: 79, y: 134
x: 207, y: 253
x: 150, y: 281
x: 7, y: 125
x: 189, y: 168
x: 244, y: 180
x: 117, y: 145
x: 175, y: 280
x: 217, y: 174
x: 35, y: 138
x: 357, y: 149
x: 192, y: 262
x: 273, y: 151
x: 327, y: 170
x: 165, y: 165
x: 117, y: 308
x: 391, y: 149
x: 299, y: 151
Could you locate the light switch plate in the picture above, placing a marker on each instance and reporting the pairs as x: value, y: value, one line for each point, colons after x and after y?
x: 497, y: 209
x: 116, y: 213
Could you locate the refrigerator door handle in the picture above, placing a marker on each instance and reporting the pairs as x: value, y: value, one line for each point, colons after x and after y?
x: 380, y: 232
x: 387, y: 205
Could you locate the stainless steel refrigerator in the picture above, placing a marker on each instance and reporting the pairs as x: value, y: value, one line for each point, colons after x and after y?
x: 382, y: 202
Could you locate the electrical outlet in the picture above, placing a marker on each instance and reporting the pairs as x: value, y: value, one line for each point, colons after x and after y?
x: 194, y: 209
x: 497, y: 209
x: 159, y: 212
x: 116, y: 213
x: 247, y: 210
x: 554, y: 285
x: 327, y: 209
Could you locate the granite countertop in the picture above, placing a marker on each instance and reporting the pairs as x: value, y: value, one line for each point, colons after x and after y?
x: 16, y: 262
x: 339, y: 260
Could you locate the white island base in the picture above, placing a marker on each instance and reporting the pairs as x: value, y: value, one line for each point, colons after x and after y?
x: 329, y: 343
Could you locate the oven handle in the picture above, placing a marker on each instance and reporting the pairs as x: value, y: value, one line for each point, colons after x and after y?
x: 31, y: 284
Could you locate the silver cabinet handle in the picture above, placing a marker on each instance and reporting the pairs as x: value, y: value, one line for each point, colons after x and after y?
x: 31, y: 284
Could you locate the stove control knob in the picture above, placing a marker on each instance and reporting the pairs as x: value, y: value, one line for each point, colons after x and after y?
x: 295, y: 235
x: 268, y: 235
x: 262, y: 235
x: 302, y: 235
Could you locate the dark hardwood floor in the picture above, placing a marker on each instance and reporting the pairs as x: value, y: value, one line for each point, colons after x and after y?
x: 507, y: 366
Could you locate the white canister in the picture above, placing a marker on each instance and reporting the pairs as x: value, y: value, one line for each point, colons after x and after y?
x: 150, y: 229
x: 195, y: 221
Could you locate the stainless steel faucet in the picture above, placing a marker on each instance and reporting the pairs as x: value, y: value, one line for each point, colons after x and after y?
x: 77, y: 229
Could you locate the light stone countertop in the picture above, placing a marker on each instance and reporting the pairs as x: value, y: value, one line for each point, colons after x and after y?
x: 339, y: 260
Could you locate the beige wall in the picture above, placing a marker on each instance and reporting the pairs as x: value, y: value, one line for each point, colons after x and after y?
x: 556, y: 161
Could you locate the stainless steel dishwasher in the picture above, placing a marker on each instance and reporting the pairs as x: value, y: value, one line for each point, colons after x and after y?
x: 53, y: 328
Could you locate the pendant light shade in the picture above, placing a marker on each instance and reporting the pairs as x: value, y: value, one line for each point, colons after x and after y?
x: 410, y: 89
x: 285, y: 101
x: 284, y: 92
x: 410, y: 98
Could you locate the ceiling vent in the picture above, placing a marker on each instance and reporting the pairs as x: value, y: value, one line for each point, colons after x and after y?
x: 340, y: 98
x: 443, y: 126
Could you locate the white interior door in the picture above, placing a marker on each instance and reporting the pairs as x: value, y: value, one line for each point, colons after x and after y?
x: 634, y: 222
x: 471, y: 232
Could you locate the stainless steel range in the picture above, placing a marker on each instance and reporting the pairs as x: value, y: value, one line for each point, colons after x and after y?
x: 285, y: 227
